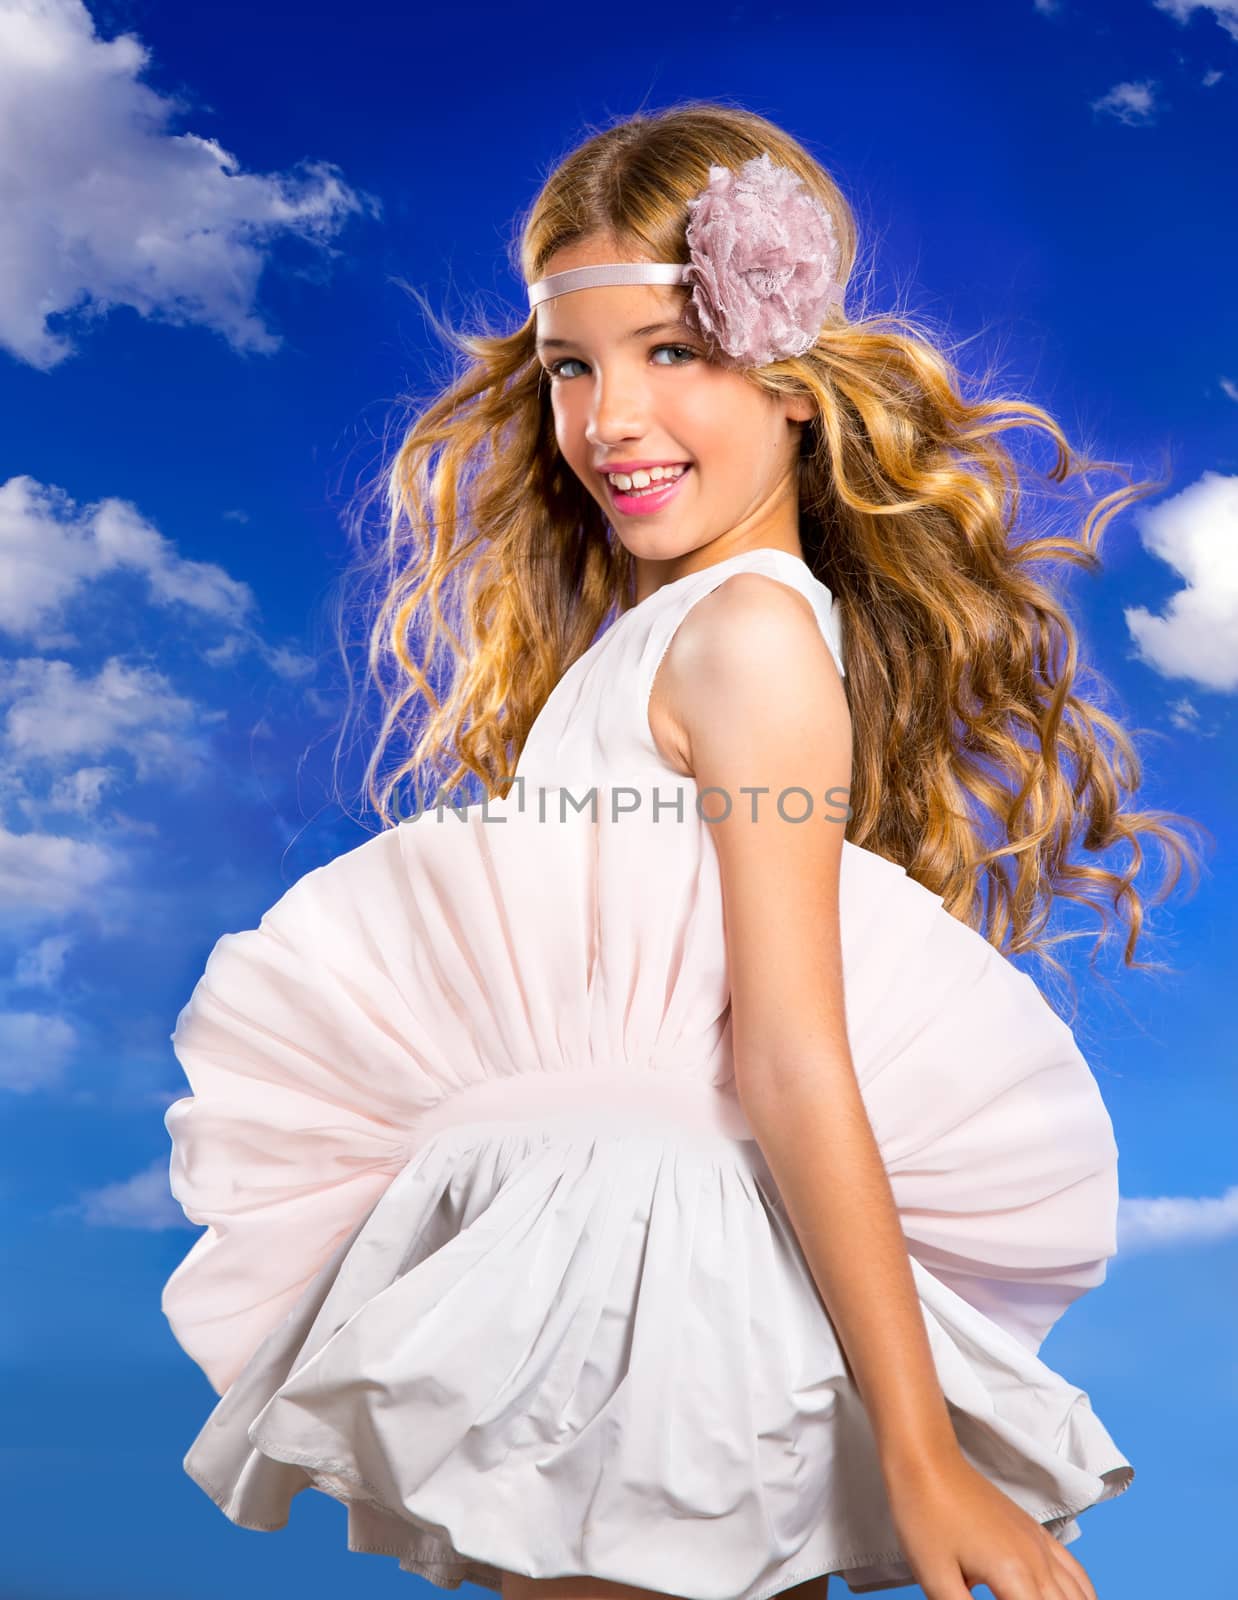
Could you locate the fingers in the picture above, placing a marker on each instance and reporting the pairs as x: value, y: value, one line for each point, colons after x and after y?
x: 1077, y: 1584
x: 1017, y: 1580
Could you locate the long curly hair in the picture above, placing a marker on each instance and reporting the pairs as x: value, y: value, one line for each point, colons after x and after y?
x: 978, y: 762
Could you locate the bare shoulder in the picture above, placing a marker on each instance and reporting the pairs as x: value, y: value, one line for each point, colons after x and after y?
x: 759, y: 704
x: 749, y: 650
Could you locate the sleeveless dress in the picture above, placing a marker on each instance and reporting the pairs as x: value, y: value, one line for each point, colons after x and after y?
x: 491, y: 1254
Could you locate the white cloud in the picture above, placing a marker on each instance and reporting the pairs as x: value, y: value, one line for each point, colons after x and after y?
x: 46, y: 874
x: 1184, y: 714
x: 284, y: 662
x: 58, y: 716
x: 144, y: 1201
x: 1196, y: 533
x: 81, y: 792
x: 42, y: 964
x: 102, y: 205
x: 1224, y: 11
x: 289, y: 664
x: 1230, y: 388
x: 50, y: 551
x: 34, y: 1048
x: 74, y: 737
x: 1157, y: 1224
x: 1129, y: 102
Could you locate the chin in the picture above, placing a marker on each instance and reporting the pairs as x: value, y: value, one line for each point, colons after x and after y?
x: 656, y: 547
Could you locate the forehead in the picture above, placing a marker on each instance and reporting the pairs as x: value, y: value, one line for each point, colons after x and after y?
x: 618, y: 315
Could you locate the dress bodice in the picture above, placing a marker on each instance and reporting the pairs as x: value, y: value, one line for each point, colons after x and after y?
x: 594, y: 726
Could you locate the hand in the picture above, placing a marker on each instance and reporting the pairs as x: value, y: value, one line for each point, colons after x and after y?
x: 958, y: 1530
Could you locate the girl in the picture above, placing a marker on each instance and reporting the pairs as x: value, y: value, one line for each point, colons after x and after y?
x: 656, y: 1179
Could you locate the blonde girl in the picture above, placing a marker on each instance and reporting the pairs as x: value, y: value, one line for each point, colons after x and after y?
x: 606, y: 1206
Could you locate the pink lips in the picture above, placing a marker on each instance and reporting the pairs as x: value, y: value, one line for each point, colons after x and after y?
x: 641, y: 505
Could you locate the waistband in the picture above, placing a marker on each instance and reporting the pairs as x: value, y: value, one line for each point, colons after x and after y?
x: 634, y: 1099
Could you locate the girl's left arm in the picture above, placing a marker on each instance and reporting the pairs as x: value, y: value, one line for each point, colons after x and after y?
x: 759, y: 708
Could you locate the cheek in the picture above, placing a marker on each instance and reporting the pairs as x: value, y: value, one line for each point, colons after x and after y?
x: 570, y: 411
x: 717, y: 413
x: 574, y: 448
x: 569, y: 433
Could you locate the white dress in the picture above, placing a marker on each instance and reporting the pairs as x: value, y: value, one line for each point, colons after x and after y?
x: 491, y: 1255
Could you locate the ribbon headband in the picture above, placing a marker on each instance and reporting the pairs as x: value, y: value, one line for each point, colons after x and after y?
x: 763, y: 268
x: 613, y: 272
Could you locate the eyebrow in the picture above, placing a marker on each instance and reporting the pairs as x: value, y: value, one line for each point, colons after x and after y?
x: 637, y: 333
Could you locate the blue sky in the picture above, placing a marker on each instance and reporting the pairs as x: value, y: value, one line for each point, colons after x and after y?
x: 204, y: 213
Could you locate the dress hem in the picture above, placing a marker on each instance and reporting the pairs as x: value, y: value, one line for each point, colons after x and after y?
x: 470, y: 1569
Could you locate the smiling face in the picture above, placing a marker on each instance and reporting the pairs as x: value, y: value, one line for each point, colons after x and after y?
x: 625, y: 388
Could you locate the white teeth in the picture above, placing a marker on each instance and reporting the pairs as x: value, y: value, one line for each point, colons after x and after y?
x: 641, y: 479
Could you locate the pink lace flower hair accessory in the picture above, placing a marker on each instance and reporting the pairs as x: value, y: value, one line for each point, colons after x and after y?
x: 763, y: 264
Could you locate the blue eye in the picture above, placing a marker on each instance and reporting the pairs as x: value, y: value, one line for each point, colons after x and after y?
x: 682, y: 349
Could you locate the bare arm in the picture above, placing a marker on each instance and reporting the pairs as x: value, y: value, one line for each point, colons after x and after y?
x: 775, y: 714
x: 753, y: 698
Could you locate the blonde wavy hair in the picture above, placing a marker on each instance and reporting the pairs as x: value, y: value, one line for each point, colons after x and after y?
x: 978, y: 760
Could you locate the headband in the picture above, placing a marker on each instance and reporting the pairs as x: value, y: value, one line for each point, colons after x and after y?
x: 763, y: 265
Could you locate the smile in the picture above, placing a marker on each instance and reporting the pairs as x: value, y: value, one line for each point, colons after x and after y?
x: 638, y: 502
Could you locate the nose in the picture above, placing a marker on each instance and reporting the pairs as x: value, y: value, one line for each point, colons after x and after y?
x: 618, y: 410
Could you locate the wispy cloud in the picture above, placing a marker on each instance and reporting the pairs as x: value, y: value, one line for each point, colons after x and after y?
x: 1184, y: 714
x: 34, y: 1049
x: 47, y: 874
x: 1133, y: 103
x: 81, y: 793
x: 55, y: 556
x: 51, y: 550
x: 85, y: 718
x: 105, y: 206
x: 1161, y: 1224
x: 1225, y: 12
x: 143, y: 1201
x: 40, y: 965
x: 56, y: 715
x: 1196, y: 533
